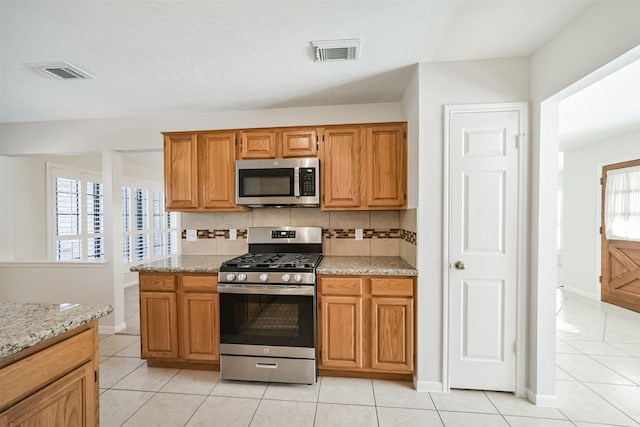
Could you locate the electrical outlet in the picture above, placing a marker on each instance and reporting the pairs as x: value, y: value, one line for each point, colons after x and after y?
x: 233, y: 234
x: 192, y: 235
x: 358, y: 233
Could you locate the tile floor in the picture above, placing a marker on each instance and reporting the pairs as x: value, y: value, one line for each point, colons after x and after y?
x: 598, y: 383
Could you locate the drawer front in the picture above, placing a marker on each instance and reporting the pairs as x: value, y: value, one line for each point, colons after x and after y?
x: 157, y: 282
x: 21, y: 378
x: 392, y: 286
x: 202, y: 283
x: 341, y: 285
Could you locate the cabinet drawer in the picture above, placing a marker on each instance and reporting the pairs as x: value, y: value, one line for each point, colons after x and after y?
x: 21, y: 378
x: 208, y: 283
x: 400, y: 286
x: 157, y: 282
x: 341, y: 285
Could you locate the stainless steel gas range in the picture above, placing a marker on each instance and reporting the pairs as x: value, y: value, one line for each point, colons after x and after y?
x: 268, y: 307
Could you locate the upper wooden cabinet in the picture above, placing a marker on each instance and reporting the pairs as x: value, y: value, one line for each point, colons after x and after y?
x: 258, y: 144
x: 365, y: 167
x: 386, y: 166
x: 341, y: 168
x: 199, y: 171
x: 181, y: 171
x: 276, y: 143
x: 299, y: 143
x: 216, y: 172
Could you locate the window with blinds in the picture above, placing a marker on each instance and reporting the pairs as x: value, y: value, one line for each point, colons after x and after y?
x: 78, y: 218
x: 148, y: 231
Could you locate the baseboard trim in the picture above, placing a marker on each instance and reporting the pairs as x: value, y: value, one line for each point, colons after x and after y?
x: 546, y: 400
x: 581, y: 292
x: 427, y: 386
x: 110, y: 330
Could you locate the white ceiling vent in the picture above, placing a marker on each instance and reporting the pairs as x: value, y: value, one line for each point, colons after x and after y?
x: 62, y: 71
x: 336, y: 50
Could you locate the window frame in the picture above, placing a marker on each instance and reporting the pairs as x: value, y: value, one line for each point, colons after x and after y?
x: 53, y: 172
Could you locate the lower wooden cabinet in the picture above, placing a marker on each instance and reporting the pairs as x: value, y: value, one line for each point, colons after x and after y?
x: 366, y: 324
x: 53, y: 384
x: 159, y: 324
x: 179, y: 320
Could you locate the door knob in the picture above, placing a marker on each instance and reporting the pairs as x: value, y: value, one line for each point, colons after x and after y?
x: 459, y: 265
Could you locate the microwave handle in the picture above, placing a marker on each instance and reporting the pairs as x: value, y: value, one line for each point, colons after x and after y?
x: 296, y: 181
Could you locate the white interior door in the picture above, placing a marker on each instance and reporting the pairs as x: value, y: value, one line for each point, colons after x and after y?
x: 483, y: 248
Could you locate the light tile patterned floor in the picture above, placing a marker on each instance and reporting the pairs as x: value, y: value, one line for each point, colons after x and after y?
x: 598, y: 383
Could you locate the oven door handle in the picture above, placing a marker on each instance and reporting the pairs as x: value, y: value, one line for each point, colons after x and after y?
x: 224, y: 288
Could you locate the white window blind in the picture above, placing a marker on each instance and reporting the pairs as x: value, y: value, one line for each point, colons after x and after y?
x: 148, y: 231
x: 622, y: 204
x: 77, y: 216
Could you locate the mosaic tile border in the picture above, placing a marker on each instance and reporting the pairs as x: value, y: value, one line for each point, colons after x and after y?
x: 335, y: 233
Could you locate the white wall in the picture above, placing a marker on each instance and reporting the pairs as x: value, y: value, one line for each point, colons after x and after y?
x: 27, y: 234
x: 582, y: 209
x: 584, y: 52
x: 465, y: 82
x: 143, y: 133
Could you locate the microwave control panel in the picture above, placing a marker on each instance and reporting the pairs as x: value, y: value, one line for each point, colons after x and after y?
x: 307, y: 182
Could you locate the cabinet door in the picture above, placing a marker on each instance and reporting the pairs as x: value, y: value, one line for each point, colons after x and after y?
x: 65, y: 402
x: 299, y: 143
x: 200, y: 329
x: 159, y: 325
x: 386, y: 178
x: 341, y: 168
x: 392, y: 334
x: 341, y: 329
x: 258, y: 145
x: 181, y: 171
x: 216, y: 163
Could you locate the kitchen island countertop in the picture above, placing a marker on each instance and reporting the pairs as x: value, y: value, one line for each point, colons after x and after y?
x: 24, y: 325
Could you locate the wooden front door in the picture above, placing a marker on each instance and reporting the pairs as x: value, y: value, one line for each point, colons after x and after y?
x: 620, y: 258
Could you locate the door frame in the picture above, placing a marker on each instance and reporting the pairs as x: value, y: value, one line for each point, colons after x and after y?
x: 523, y: 220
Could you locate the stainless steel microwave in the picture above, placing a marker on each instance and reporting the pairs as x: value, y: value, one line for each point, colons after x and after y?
x: 278, y: 182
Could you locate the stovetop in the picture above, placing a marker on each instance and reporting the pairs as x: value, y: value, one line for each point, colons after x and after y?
x: 279, y: 262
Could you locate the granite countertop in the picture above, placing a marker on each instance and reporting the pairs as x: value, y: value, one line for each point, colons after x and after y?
x: 184, y: 264
x: 25, y: 325
x: 376, y: 265
x: 366, y: 265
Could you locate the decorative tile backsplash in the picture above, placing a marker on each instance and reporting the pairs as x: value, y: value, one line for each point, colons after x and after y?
x: 385, y: 233
x: 337, y: 233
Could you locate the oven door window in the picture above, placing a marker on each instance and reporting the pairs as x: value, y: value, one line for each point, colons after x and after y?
x: 266, y: 182
x: 272, y: 320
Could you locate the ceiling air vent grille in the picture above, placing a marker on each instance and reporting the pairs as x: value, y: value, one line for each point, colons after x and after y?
x: 62, y: 71
x: 336, y: 50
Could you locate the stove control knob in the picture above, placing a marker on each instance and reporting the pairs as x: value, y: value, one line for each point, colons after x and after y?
x: 297, y: 277
x: 286, y: 277
x: 264, y: 277
x: 242, y: 277
x: 230, y: 277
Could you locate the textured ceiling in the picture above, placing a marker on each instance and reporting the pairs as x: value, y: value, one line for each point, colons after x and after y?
x: 158, y: 57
